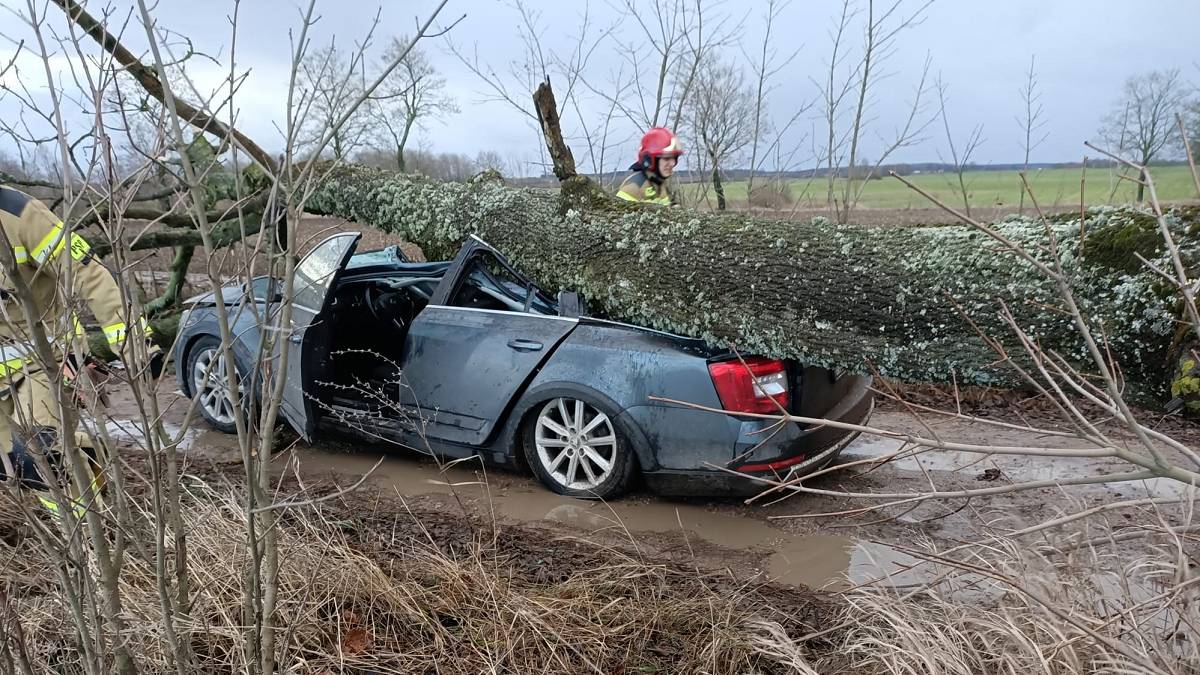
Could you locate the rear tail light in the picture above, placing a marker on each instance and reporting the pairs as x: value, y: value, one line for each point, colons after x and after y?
x: 759, y: 385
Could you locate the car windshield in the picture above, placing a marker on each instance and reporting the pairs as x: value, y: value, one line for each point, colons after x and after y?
x: 386, y: 256
x: 490, y: 283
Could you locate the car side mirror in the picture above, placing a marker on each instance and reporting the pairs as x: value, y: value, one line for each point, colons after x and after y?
x: 569, y: 304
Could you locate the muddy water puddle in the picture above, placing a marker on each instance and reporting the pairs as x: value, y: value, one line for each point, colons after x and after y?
x: 817, y: 561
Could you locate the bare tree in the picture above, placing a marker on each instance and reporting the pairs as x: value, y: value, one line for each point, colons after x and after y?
x: 412, y: 96
x: 1141, y: 125
x: 765, y: 68
x: 511, y: 86
x: 330, y: 81
x: 960, y: 154
x: 663, y: 51
x: 1191, y: 119
x: 1032, y: 121
x: 490, y: 160
x: 847, y: 96
x: 537, y: 63
x: 720, y: 115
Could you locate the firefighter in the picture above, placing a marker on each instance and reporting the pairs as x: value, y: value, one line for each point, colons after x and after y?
x: 658, y: 154
x: 46, y: 255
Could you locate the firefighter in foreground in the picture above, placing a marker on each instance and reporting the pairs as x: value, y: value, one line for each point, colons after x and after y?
x: 658, y: 154
x: 46, y: 257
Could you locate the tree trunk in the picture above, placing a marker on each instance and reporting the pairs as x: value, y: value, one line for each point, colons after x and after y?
x: 560, y: 155
x: 836, y: 296
x: 1141, y: 198
x: 400, y: 145
x: 718, y: 187
x: 336, y: 140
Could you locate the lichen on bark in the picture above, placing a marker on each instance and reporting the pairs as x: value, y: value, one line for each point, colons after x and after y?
x: 831, y: 295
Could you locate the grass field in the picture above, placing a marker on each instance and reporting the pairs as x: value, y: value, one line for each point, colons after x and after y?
x: 1053, y: 187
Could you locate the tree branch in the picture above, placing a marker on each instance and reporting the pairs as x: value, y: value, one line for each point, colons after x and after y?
x: 547, y: 109
x: 146, y: 77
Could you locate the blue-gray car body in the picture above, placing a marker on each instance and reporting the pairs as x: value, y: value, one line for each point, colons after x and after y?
x: 437, y: 373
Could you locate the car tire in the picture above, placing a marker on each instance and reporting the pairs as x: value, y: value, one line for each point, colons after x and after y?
x: 576, y: 447
x: 208, y: 383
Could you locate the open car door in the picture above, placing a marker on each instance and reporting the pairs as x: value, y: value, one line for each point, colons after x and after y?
x: 486, y: 331
x: 315, y: 275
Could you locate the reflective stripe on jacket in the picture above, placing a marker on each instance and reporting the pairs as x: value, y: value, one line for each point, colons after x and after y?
x: 95, y: 496
x: 44, y: 250
x: 639, y: 188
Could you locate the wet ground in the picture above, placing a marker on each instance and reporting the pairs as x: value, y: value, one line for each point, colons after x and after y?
x: 792, y: 540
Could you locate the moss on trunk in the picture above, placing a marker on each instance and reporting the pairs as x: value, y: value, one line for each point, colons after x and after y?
x: 832, y: 295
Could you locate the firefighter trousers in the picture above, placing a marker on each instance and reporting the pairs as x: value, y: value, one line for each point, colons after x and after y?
x: 29, y: 408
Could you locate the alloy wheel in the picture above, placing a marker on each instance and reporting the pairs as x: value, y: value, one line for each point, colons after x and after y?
x: 576, y: 443
x: 211, y: 384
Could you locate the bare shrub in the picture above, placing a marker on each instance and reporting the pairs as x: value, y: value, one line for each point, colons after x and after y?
x: 774, y: 194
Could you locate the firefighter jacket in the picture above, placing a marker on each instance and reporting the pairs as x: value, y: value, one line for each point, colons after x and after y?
x: 46, y: 255
x: 639, y: 187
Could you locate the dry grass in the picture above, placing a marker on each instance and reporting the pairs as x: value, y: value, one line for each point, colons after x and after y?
x: 414, y: 607
x: 358, y: 595
x: 1082, y: 600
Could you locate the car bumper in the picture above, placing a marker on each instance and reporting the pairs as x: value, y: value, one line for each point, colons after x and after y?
x: 792, y: 451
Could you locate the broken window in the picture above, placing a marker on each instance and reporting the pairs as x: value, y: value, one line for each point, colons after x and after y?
x: 489, y: 282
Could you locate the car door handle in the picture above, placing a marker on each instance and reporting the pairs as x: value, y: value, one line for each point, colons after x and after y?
x: 525, y: 345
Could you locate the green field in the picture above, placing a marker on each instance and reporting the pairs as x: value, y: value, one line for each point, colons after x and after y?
x: 1053, y: 187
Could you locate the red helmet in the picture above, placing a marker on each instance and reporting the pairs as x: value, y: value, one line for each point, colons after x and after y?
x: 658, y: 142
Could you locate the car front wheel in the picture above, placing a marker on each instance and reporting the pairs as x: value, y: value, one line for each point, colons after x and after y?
x: 576, y: 448
x: 210, y: 384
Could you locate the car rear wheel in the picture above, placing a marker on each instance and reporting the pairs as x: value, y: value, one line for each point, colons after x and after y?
x: 209, y: 381
x: 576, y: 448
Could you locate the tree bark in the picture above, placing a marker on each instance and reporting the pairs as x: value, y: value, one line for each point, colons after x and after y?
x: 224, y: 233
x: 400, y: 164
x: 836, y: 296
x: 718, y: 187
x: 560, y: 154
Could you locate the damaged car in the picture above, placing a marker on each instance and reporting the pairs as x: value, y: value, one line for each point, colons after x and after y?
x: 469, y: 357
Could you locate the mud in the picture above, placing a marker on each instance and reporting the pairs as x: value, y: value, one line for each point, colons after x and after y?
x: 788, y: 541
x: 644, y: 523
x: 784, y: 541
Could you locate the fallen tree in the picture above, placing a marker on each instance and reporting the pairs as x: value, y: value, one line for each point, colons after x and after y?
x: 916, y: 303
x: 912, y: 301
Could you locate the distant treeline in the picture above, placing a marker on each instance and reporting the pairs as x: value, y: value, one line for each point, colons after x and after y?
x: 904, y: 169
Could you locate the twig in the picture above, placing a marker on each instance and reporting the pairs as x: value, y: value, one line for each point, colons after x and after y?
x: 317, y: 500
x: 1187, y: 147
x: 1044, y: 602
x: 1063, y: 520
x: 909, y: 438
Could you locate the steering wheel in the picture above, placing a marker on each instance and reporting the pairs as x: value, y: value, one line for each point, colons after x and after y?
x: 371, y: 298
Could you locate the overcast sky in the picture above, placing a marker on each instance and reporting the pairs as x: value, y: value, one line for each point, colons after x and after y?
x: 1084, y: 49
